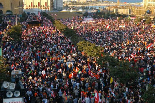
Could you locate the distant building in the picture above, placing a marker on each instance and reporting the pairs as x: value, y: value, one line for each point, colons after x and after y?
x: 58, y: 4
x: 40, y: 4
x: 147, y: 3
x: 16, y: 6
x: 149, y: 6
x: 79, y: 0
x: 122, y: 11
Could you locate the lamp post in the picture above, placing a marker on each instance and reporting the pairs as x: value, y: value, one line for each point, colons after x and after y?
x: 16, y: 14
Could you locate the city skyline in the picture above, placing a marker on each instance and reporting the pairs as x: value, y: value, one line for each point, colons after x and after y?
x: 130, y: 1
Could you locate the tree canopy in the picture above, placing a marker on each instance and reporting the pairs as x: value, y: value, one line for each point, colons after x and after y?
x: 4, y: 71
x: 120, y: 70
x: 23, y: 17
x: 48, y: 16
x: 15, y: 33
x: 149, y: 94
x: 59, y: 25
x: 90, y: 49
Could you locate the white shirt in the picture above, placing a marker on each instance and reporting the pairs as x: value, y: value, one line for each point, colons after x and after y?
x: 87, y: 100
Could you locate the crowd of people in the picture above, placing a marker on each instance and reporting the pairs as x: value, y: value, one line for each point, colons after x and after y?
x: 54, y: 71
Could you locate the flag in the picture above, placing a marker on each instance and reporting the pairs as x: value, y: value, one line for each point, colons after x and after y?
x: 96, y: 96
x: 38, y: 4
x: 71, y: 75
x: 89, y: 72
x: 111, y: 80
x: 39, y: 13
x: 77, y: 69
x: 30, y: 72
x: 101, y: 55
x: 60, y: 71
x: 53, y: 94
x: 150, y: 45
x: 107, y: 26
x: 132, y: 55
x: 89, y: 65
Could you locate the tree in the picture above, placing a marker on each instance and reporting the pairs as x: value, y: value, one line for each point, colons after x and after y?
x: 47, y: 16
x: 85, y: 14
x: 149, y: 95
x: 103, y: 60
x: 90, y: 49
x: 124, y: 73
x: 70, y: 33
x: 4, y: 76
x: 127, y: 19
x: 138, y: 19
x: 24, y: 17
x: 120, y: 70
x: 59, y: 25
x: 15, y: 33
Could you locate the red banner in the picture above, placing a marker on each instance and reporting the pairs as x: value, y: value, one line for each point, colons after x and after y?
x: 38, y: 4
x: 31, y: 4
x: 45, y: 3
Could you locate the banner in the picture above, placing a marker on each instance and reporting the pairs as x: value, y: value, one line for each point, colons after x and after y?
x: 13, y: 100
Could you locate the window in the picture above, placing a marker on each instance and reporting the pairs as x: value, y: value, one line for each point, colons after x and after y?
x: 1, y: 6
x: 1, y: 12
x: 11, y: 6
x: 38, y: 4
x: 31, y: 4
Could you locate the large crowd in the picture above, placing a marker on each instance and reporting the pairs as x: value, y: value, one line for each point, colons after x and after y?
x: 54, y: 71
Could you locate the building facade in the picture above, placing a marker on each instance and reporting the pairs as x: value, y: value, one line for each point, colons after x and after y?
x: 44, y: 4
x: 16, y: 6
x: 58, y: 4
x: 79, y: 0
x: 148, y: 3
x: 39, y: 4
